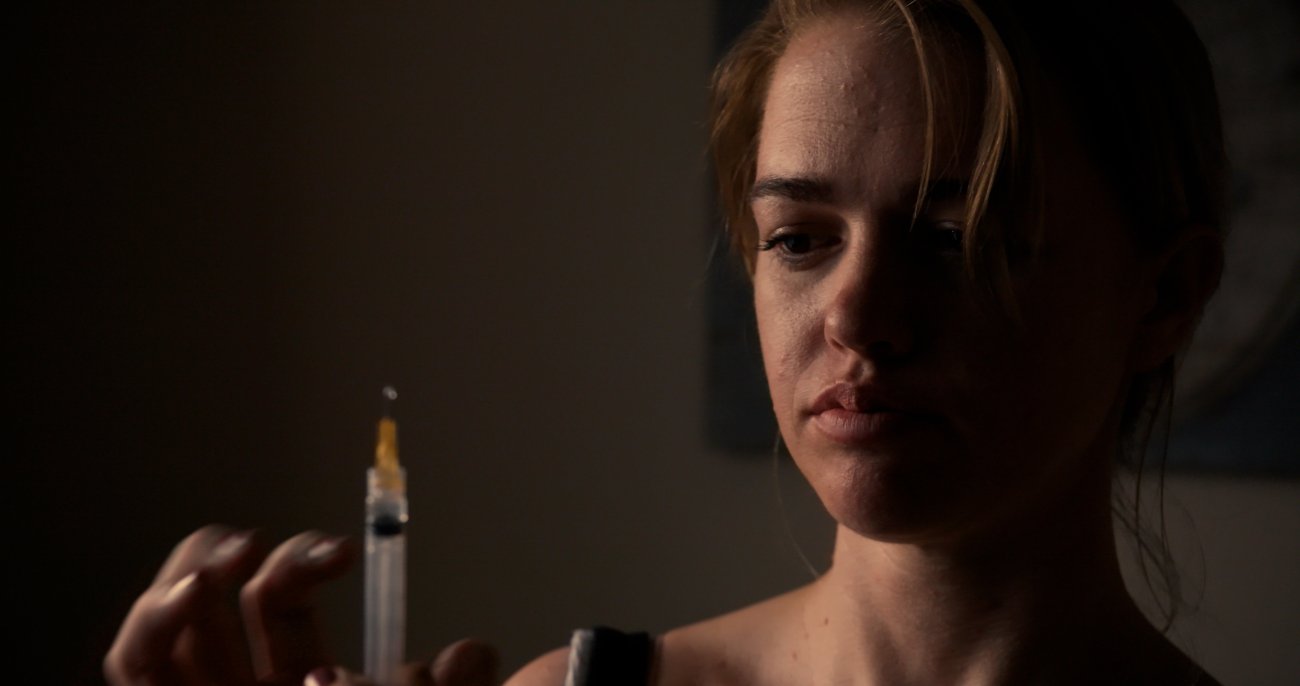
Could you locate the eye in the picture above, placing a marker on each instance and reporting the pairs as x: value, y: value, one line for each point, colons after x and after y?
x: 796, y: 247
x: 941, y: 238
x: 789, y: 243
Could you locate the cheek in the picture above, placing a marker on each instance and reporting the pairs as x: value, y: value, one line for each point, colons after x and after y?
x: 788, y: 331
x: 1052, y: 385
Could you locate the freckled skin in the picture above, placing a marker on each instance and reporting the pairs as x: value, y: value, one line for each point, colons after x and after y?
x: 1026, y: 411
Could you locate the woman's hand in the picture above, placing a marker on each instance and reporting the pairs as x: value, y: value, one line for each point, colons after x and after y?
x: 188, y: 628
x: 468, y: 662
x: 221, y: 611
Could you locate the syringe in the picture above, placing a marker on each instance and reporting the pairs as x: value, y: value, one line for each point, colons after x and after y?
x: 385, y: 555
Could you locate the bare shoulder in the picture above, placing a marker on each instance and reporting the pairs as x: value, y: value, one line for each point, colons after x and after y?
x: 550, y: 669
x: 734, y: 648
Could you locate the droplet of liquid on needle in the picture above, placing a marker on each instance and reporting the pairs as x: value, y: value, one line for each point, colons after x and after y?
x: 390, y: 394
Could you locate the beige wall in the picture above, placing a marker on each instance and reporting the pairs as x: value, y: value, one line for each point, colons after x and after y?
x: 243, y: 225
x: 1235, y: 542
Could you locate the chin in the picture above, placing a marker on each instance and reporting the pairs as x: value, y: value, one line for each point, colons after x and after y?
x: 876, y: 498
x: 897, y: 496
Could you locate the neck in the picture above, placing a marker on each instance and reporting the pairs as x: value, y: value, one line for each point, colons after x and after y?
x: 1014, y: 607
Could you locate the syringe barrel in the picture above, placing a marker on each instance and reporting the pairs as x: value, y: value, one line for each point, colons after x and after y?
x: 385, y: 597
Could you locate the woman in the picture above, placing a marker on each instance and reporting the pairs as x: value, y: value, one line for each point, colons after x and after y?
x: 979, y: 233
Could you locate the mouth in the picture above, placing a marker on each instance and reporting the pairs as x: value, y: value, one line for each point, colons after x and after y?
x: 862, y: 415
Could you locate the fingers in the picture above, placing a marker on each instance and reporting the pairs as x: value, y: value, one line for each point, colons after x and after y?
x: 416, y: 674
x: 279, y: 614
x: 215, y: 548
x: 337, y: 676
x: 468, y: 662
x: 213, y: 649
x: 143, y: 648
x: 334, y: 676
x: 181, y: 628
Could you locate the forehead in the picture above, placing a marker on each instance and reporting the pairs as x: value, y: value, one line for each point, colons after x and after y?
x: 846, y: 103
x: 848, y: 64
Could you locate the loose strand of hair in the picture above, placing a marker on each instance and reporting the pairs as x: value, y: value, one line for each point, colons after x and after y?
x: 1153, y: 544
x: 919, y: 43
x: 1172, y: 579
x: 1000, y: 143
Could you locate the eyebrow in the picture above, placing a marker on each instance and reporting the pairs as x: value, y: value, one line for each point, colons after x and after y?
x: 810, y: 189
x: 796, y: 188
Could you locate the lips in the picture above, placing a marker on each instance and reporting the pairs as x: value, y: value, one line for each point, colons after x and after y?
x: 861, y: 415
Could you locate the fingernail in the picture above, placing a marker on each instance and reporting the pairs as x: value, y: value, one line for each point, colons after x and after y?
x: 321, y: 676
x: 323, y: 549
x: 180, y: 589
x: 232, y: 545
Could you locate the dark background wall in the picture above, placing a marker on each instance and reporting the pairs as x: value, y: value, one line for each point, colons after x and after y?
x: 235, y: 224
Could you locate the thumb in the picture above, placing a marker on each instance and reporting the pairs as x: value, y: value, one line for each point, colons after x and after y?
x: 467, y: 662
x: 335, y: 676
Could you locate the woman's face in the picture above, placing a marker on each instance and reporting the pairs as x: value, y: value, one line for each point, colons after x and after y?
x: 916, y: 413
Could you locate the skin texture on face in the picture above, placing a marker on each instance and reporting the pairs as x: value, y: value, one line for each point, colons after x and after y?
x: 917, y: 414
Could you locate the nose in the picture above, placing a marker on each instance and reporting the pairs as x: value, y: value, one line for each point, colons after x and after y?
x: 867, y: 310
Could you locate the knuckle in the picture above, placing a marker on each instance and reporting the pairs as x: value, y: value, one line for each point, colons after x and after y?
x: 254, y: 592
x: 263, y: 593
x: 203, y: 537
x: 285, y: 558
x: 300, y: 542
x: 192, y: 550
x: 285, y: 571
x: 112, y: 666
x: 118, y: 669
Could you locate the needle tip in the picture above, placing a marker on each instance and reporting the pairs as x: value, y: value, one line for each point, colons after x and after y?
x: 389, y: 394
